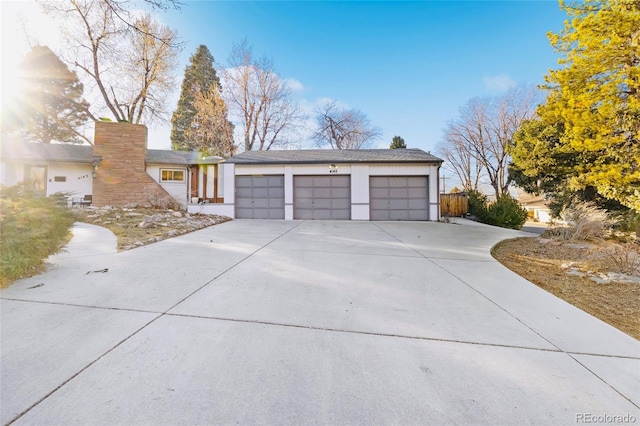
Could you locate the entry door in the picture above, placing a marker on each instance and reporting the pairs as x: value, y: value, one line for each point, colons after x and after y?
x: 322, y: 197
x: 399, y: 197
x: 36, y: 175
x: 260, y: 197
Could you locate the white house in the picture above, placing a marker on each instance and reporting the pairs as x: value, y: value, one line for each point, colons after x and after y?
x: 375, y: 184
x: 118, y: 170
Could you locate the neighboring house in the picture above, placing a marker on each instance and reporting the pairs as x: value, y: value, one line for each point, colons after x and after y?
x: 374, y: 184
x: 118, y: 170
x: 536, y: 205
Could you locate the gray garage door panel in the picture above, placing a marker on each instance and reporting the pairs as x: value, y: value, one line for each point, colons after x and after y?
x: 322, y: 197
x: 399, y: 197
x: 260, y: 197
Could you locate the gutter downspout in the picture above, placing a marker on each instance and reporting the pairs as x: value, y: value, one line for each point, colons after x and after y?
x: 438, y: 185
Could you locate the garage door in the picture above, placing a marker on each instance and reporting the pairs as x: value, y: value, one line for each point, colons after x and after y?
x: 399, y: 198
x: 260, y: 197
x: 322, y: 197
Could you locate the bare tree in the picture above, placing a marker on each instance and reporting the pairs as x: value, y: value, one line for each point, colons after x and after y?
x: 477, y: 141
x: 210, y: 131
x: 259, y: 99
x: 460, y: 161
x: 343, y: 129
x: 131, y: 70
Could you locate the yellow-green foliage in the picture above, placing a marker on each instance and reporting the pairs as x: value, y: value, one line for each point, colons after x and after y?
x: 596, y: 96
x: 32, y: 228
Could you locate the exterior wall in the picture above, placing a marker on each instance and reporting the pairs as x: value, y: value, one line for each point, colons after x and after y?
x: 220, y: 181
x: 178, y: 190
x: 122, y: 178
x: 11, y: 173
x: 359, y: 173
x: 211, y: 170
x: 360, y: 192
x: 213, y: 208
x: 78, y: 179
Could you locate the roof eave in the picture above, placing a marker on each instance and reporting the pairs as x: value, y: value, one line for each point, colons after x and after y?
x: 272, y: 163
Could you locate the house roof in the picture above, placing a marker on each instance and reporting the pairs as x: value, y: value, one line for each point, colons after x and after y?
x: 51, y: 153
x: 69, y: 153
x: 315, y: 156
x: 163, y: 156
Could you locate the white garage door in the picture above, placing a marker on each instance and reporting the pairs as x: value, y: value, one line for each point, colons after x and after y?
x: 322, y: 197
x: 260, y: 197
x: 399, y: 197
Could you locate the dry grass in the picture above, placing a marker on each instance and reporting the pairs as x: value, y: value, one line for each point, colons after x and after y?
x: 617, y: 304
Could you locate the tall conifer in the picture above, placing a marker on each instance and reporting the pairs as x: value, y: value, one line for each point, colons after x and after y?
x: 51, y: 107
x: 199, y: 77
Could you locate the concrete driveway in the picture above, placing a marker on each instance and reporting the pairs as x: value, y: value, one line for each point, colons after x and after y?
x: 315, y: 322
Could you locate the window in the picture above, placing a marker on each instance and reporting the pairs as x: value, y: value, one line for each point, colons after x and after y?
x: 36, y: 176
x: 171, y: 175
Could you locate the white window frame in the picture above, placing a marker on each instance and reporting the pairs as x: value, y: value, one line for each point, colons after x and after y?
x: 173, y: 170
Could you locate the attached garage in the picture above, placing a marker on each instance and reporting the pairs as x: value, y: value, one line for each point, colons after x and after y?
x: 399, y: 197
x: 259, y: 197
x: 322, y: 197
x: 324, y: 184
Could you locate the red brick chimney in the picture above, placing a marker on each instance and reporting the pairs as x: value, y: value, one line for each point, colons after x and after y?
x: 121, y: 177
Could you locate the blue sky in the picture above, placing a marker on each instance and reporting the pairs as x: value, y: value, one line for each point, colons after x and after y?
x: 408, y: 66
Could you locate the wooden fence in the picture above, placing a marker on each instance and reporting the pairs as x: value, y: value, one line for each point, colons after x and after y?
x: 452, y: 205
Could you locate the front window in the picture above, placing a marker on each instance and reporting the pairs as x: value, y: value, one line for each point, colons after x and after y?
x: 171, y: 175
x: 36, y: 176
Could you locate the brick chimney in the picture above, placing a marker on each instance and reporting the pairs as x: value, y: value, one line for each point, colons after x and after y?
x: 121, y: 177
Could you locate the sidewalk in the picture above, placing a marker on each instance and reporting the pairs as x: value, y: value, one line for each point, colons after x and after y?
x: 87, y: 240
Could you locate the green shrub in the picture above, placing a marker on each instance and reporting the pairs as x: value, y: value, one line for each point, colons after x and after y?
x: 506, y: 212
x: 477, y: 204
x: 33, y: 228
x: 627, y: 221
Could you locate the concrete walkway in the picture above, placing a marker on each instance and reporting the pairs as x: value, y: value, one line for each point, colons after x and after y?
x: 315, y: 322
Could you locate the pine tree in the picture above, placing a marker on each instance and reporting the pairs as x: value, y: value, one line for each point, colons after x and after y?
x: 51, y: 107
x: 199, y: 78
x: 211, y: 133
x: 397, y: 142
x: 595, y: 97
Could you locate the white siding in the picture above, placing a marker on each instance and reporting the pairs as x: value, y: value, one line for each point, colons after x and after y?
x: 177, y: 190
x: 243, y: 170
x: 78, y: 179
x: 220, y: 181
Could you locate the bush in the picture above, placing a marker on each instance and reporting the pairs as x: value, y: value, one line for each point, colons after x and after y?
x: 506, y: 212
x: 33, y: 228
x: 477, y: 204
x: 582, y: 221
x: 627, y: 221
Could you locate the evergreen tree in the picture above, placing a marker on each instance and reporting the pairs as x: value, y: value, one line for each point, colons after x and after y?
x: 211, y: 133
x: 398, y: 142
x: 51, y: 107
x: 199, y: 78
x: 594, y: 99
